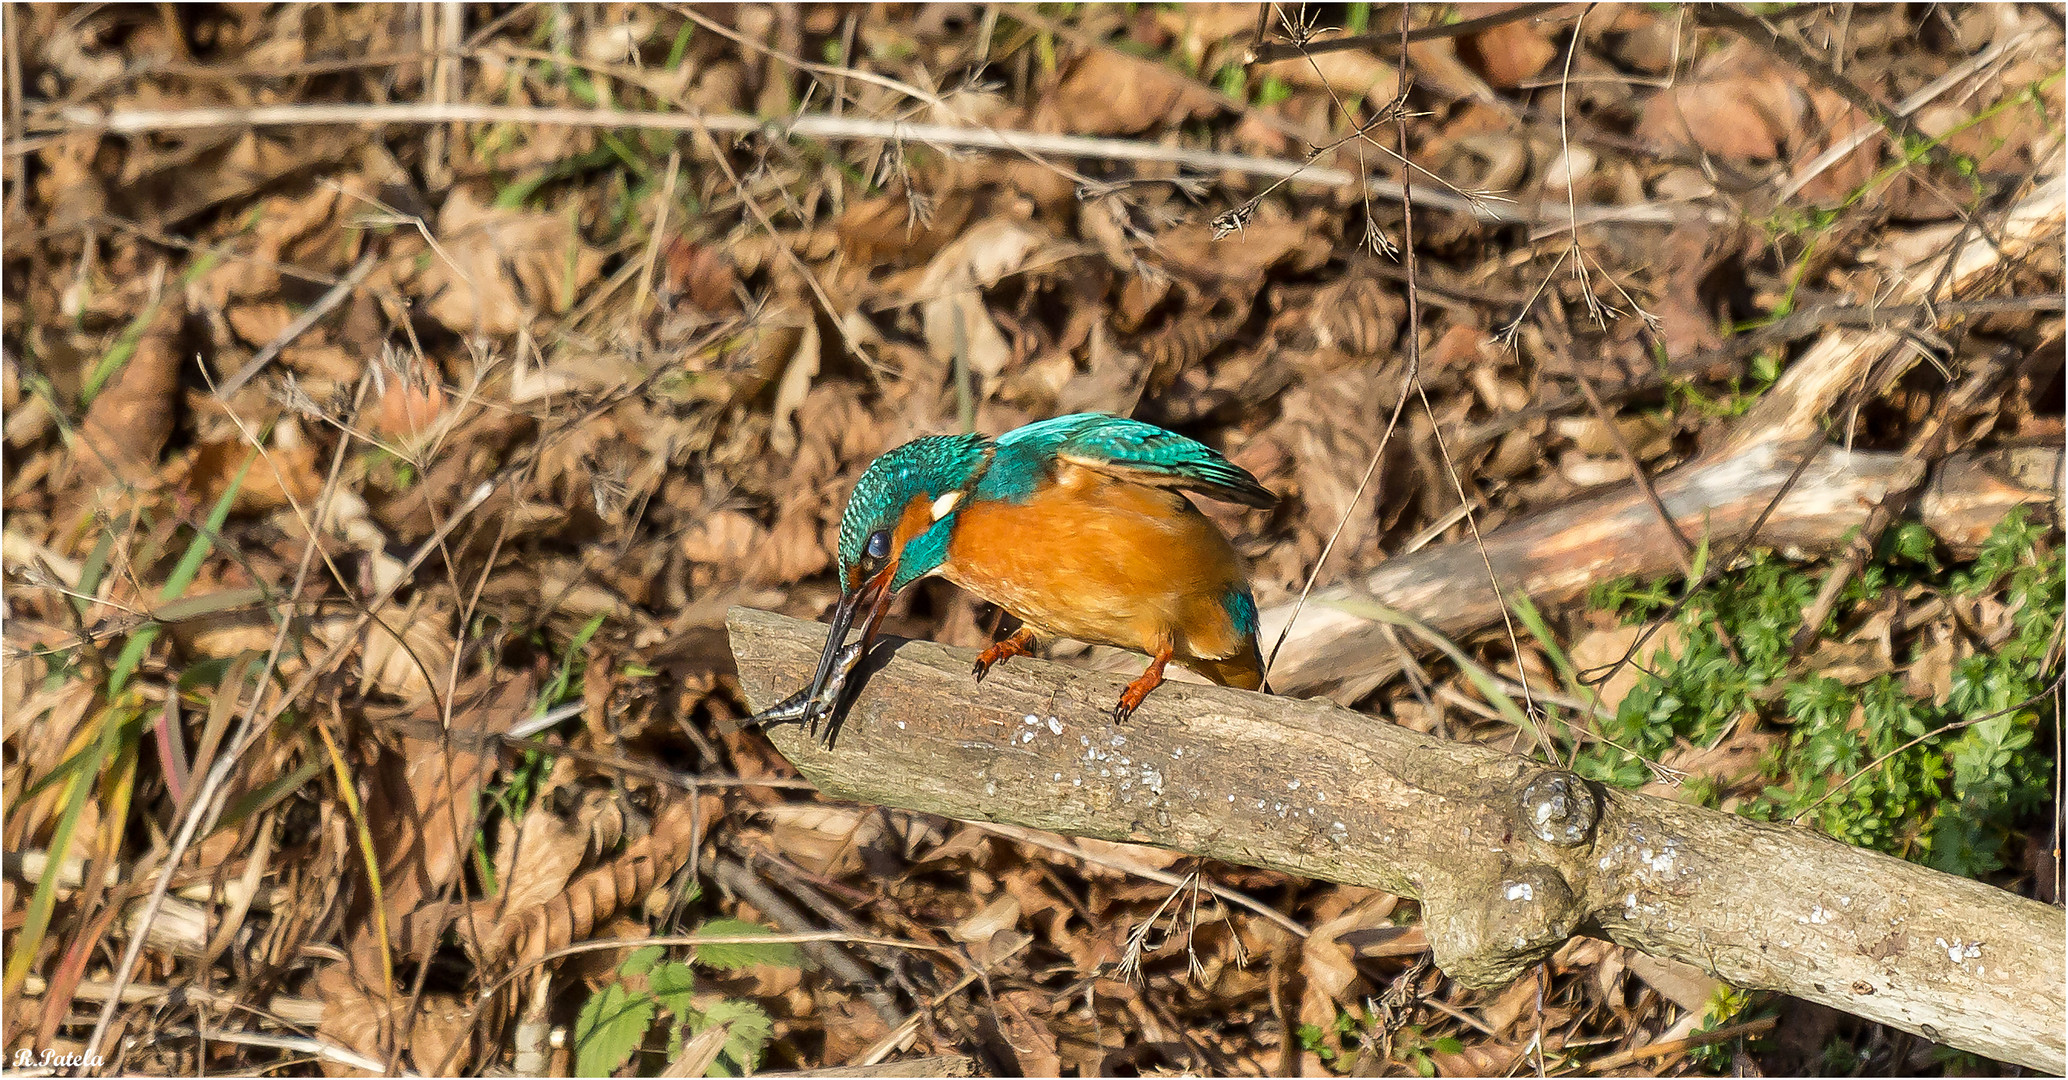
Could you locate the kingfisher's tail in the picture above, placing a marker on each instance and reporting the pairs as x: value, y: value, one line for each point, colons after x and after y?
x: 1244, y: 670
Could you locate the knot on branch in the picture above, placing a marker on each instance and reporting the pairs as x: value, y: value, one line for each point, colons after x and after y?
x: 1490, y: 920
x: 1560, y: 808
x: 1485, y: 931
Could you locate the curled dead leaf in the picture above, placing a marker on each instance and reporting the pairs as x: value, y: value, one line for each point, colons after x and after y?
x: 598, y: 895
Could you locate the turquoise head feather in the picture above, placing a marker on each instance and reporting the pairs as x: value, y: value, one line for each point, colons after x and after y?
x: 924, y: 468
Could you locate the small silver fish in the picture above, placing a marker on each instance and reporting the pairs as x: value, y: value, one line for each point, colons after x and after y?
x: 827, y: 708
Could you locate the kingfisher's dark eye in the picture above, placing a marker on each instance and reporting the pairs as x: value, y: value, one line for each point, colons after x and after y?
x: 879, y: 545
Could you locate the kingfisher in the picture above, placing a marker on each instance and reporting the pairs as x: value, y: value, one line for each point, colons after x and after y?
x: 1078, y: 526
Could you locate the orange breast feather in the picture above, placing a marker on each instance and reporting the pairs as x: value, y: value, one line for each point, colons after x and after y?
x: 1106, y: 562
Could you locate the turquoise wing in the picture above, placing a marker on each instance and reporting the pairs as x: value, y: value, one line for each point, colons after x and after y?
x: 1133, y: 451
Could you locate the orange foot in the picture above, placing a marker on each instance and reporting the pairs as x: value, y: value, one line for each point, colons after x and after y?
x: 1138, y: 690
x: 1019, y: 643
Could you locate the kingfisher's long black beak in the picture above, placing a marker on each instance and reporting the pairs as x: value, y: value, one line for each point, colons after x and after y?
x: 874, y: 596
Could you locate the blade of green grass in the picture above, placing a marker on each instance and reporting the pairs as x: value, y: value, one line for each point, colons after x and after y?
x: 183, y: 574
x: 96, y: 565
x: 1533, y: 621
x: 268, y: 794
x: 1481, y: 679
x: 118, y: 354
x: 44, y: 901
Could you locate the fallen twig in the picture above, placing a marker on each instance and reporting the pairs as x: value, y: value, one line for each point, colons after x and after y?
x: 810, y: 126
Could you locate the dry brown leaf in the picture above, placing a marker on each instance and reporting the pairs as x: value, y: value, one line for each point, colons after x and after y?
x: 795, y: 549
x: 1241, y: 261
x: 422, y: 801
x: 1111, y: 93
x: 410, y: 403
x: 798, y: 372
x: 1730, y: 765
x: 883, y: 229
x: 1329, y: 419
x: 1348, y: 72
x: 1640, y: 39
x: 360, y: 1019
x: 499, y: 267
x: 600, y: 894
x: 1118, y: 854
x: 821, y: 838
x: 1435, y: 63
x: 1682, y: 984
x: 258, y: 324
x: 952, y: 311
x: 722, y: 538
x: 1509, y: 53
x: 1740, y: 118
x: 402, y: 656
x: 699, y: 273
x: 1024, y: 1025
x: 288, y: 471
x: 1687, y: 320
x: 1644, y: 435
x: 1831, y: 118
x: 1931, y: 671
x: 128, y: 423
x: 1199, y: 27
x: 1597, y: 650
x: 1476, y: 1059
x: 1521, y: 996
x: 1002, y: 913
x: 535, y: 859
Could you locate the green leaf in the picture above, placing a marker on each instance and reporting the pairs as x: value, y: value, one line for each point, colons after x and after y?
x: 118, y: 354
x: 675, y: 985
x: 641, y: 961
x: 745, y: 1040
x: 612, y: 1024
x: 1698, y: 563
x: 736, y: 957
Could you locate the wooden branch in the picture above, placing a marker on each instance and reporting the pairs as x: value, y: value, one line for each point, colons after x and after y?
x: 1508, y: 858
x: 1554, y: 556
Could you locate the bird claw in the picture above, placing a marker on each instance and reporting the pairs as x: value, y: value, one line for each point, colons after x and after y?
x: 1020, y: 643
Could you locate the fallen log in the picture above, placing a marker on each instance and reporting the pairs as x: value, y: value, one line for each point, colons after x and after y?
x: 1509, y: 859
x: 1555, y: 555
